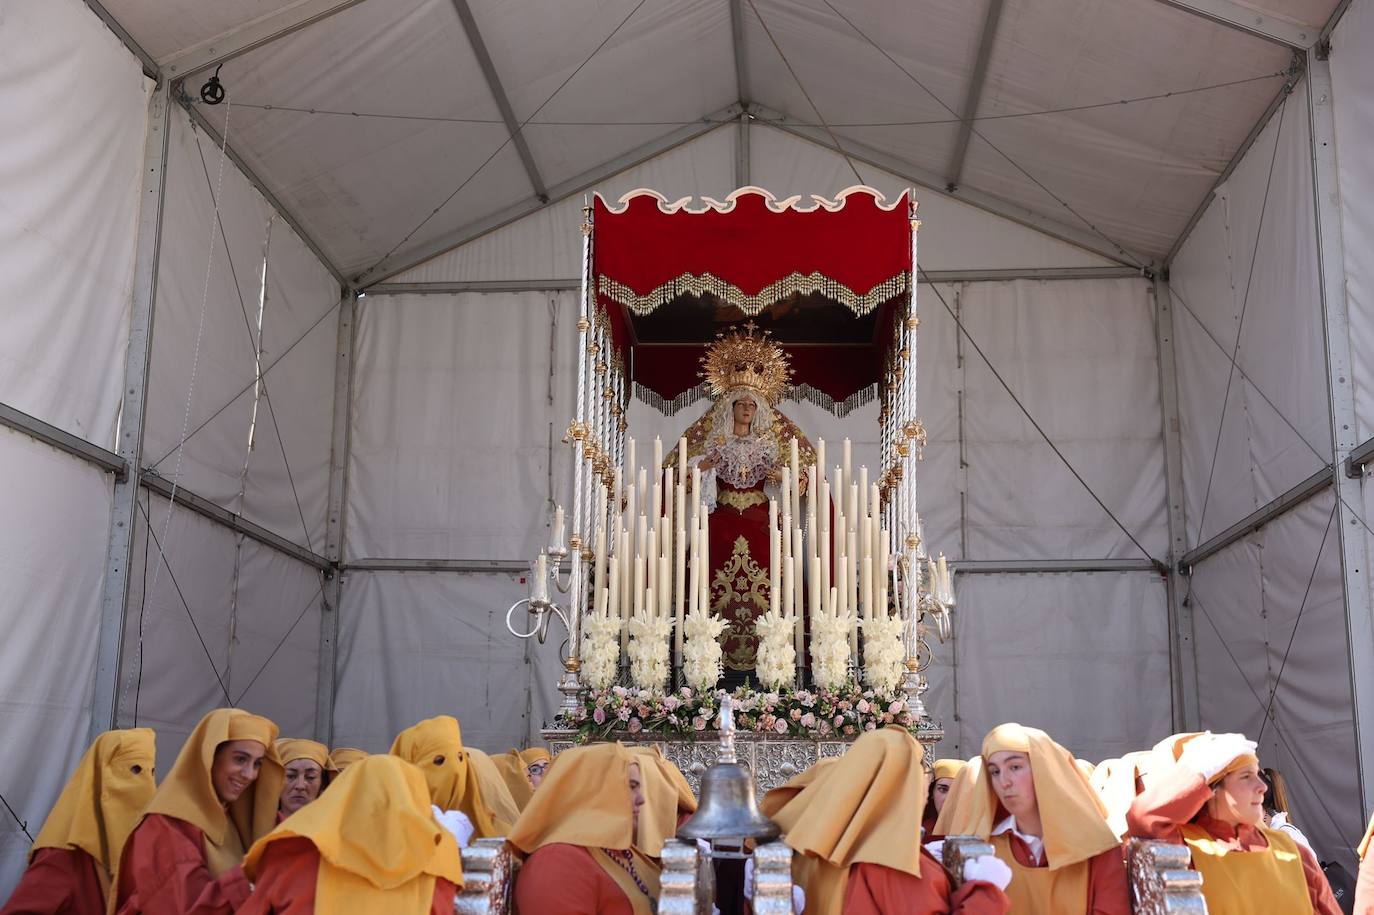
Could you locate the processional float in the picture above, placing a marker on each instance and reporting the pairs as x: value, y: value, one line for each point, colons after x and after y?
x: 788, y: 299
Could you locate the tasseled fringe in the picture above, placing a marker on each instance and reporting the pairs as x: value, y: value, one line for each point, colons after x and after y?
x: 705, y: 283
x: 795, y: 393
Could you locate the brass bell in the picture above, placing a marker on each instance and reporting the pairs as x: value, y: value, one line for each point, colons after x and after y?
x: 728, y: 809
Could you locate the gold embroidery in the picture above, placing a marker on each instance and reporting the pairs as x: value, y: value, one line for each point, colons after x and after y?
x: 704, y: 283
x: 740, y: 499
x: 739, y: 594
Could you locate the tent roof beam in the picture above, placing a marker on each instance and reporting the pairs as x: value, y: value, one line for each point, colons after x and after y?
x: 210, y: 130
x: 1246, y: 19
x: 263, y: 30
x: 150, y: 67
x: 741, y: 60
x: 498, y: 92
x: 853, y: 149
x: 405, y: 260
x: 955, y: 171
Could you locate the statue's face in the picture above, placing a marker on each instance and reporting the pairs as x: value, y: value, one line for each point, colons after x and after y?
x: 745, y: 408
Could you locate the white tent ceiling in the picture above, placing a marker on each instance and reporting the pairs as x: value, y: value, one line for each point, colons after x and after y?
x: 379, y: 132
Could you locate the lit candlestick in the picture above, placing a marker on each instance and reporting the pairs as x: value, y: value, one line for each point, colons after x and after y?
x: 852, y: 514
x: 658, y: 454
x: 847, y: 456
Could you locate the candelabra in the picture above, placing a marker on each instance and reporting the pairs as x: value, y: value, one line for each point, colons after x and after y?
x: 542, y: 608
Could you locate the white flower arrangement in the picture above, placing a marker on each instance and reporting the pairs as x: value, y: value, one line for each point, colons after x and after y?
x: 777, y: 657
x: 649, y: 660
x: 600, y: 650
x: 701, y: 652
x: 884, y: 652
x: 830, y: 649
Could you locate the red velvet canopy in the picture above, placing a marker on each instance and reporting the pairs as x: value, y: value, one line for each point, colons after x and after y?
x: 820, y: 275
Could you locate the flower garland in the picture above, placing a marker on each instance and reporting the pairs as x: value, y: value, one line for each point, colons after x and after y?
x: 830, y: 649
x: 600, y: 650
x: 777, y: 656
x: 701, y: 652
x: 817, y: 714
x: 884, y: 653
x: 649, y: 661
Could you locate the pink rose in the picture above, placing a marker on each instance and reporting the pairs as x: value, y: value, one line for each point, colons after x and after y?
x: 780, y: 726
x: 766, y: 722
x: 839, y: 720
x: 808, y: 720
x: 896, y: 706
x: 599, y: 716
x: 643, y: 710
x: 671, y: 703
x: 863, y: 706
x: 870, y: 726
x: 796, y: 714
x: 623, y: 714
x: 848, y: 730
x: 698, y: 723
x: 635, y: 726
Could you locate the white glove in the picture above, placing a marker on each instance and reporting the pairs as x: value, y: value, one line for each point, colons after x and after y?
x: 1210, y: 753
x: 456, y: 822
x: 988, y: 869
x: 937, y: 848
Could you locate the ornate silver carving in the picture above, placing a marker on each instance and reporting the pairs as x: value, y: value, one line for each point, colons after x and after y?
x: 488, y: 878
x: 772, y: 879
x: 1161, y: 880
x: 772, y: 759
x: 681, y: 892
x: 959, y: 849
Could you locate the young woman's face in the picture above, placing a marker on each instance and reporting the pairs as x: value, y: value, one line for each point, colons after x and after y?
x: 304, y: 778
x: 636, y: 792
x: 236, y: 766
x: 940, y: 793
x: 1012, y: 782
x: 1239, y: 797
x: 535, y: 771
x: 745, y: 408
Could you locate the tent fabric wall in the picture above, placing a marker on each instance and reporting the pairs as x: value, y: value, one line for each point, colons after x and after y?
x: 417, y: 644
x: 68, y: 213
x: 195, y: 640
x: 52, y: 558
x: 201, y: 379
x: 1248, y: 272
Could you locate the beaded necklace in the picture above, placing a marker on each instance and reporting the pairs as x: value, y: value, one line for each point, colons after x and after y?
x: 625, y: 860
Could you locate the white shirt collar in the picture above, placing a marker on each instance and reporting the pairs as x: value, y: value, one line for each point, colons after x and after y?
x: 1036, y: 844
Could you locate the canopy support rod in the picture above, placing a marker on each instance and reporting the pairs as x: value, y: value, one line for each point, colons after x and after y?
x: 1025, y: 216
x: 413, y: 257
x: 336, y: 521
x: 1182, y: 635
x: 1246, y: 19
x: 212, y: 133
x: 741, y: 60
x: 955, y: 171
x: 742, y: 164
x: 1278, y: 506
x: 263, y: 30
x: 1359, y: 613
x: 498, y: 92
x: 62, y: 440
x: 120, y: 550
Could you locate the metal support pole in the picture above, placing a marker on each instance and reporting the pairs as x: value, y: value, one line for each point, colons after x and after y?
x: 119, y: 553
x: 1182, y: 636
x: 1344, y: 431
x: 336, y: 521
x: 742, y: 178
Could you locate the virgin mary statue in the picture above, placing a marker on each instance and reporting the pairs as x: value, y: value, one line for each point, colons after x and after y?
x: 741, y: 444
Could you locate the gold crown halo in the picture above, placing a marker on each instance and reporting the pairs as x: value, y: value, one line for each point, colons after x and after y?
x: 746, y: 359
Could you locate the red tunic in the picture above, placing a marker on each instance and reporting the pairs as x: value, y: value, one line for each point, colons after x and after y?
x: 1109, y: 889
x: 873, y: 889
x: 1364, y: 886
x: 163, y: 872
x: 286, y: 882
x: 1174, y: 798
x: 563, y: 879
x: 58, y: 880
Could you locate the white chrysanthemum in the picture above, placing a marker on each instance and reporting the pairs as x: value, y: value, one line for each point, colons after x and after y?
x: 600, y: 650
x: 777, y: 658
x: 649, y: 659
x: 830, y: 650
x: 701, y: 652
x: 884, y: 653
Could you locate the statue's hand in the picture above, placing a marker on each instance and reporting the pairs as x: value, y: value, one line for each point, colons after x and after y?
x: 709, y: 463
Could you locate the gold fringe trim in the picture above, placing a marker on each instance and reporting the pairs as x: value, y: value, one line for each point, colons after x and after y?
x: 707, y: 283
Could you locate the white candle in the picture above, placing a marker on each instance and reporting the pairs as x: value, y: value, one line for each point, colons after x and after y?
x: 680, y: 592
x: 682, y: 460
x: 816, y: 607
x: 651, y: 554
x: 774, y: 556
x: 847, y: 456
x: 851, y: 508
x: 820, y: 457
x: 539, y: 588
x: 851, y: 580
x: 866, y: 587
x: 795, y: 467
x: 787, y: 572
x: 631, y: 498
x: 863, y: 492
x: 613, y: 600
x: 637, y: 609
x: 658, y: 454
x: 649, y: 603
x: 558, y: 528
x: 706, y: 557
x: 694, y: 586
x: 799, y: 567
x: 665, y: 585
x: 600, y: 565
